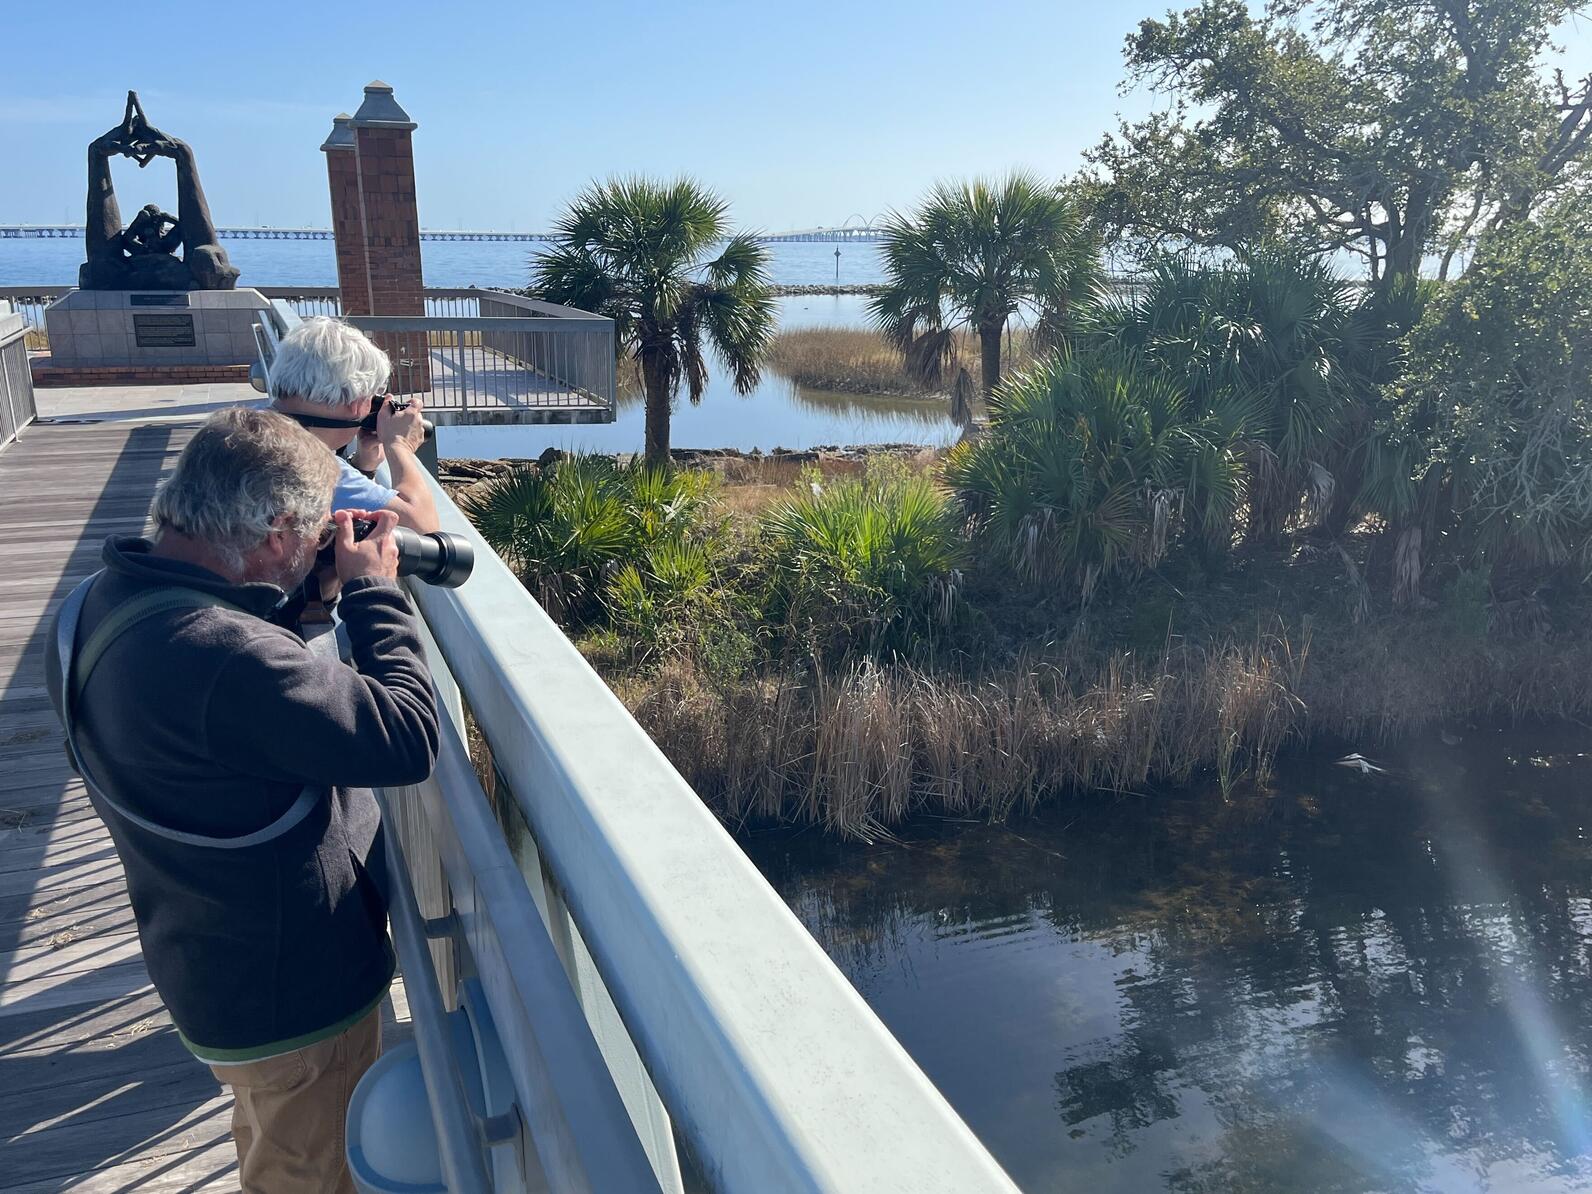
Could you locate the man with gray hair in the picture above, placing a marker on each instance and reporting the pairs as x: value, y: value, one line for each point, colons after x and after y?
x: 325, y: 377
x: 233, y: 767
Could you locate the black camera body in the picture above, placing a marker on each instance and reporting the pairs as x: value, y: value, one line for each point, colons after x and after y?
x: 394, y: 404
x: 439, y: 558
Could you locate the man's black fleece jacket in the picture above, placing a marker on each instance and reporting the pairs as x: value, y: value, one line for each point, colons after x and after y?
x: 211, y: 721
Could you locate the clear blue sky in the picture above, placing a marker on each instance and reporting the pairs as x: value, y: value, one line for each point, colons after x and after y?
x: 799, y: 114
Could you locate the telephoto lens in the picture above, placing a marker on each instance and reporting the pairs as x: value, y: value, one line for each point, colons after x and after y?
x: 440, y: 558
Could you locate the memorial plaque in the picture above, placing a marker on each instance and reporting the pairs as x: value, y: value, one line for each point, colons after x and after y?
x: 157, y: 300
x: 163, y: 331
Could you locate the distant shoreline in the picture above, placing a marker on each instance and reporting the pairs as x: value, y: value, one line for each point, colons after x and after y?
x: 858, y: 288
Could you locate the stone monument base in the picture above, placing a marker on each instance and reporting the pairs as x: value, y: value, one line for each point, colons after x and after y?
x: 102, y: 329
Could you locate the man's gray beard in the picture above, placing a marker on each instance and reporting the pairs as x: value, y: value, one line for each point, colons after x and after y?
x: 294, y: 572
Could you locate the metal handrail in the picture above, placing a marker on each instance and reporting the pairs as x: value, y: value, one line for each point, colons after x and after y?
x: 771, y: 1065
x: 469, y: 323
x: 581, y: 1135
x: 18, y: 407
x: 460, y: 1146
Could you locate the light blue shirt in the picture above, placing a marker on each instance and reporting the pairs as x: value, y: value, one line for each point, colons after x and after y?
x: 355, y: 491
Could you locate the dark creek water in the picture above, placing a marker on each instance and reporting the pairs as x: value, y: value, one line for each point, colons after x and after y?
x: 1352, y: 983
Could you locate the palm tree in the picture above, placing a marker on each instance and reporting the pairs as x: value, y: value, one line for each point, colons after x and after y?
x: 1283, y: 333
x: 1095, y: 462
x: 659, y: 260
x: 973, y: 255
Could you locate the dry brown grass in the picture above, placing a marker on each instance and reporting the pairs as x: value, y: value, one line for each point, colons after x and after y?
x: 849, y: 360
x: 860, y: 749
x: 753, y: 485
x: 857, y: 750
x: 858, y: 361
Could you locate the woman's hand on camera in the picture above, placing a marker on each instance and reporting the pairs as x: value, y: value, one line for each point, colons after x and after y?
x: 374, y: 555
x: 401, y: 426
x: 367, y: 455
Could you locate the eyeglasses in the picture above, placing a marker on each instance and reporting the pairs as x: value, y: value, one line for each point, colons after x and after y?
x: 328, y: 533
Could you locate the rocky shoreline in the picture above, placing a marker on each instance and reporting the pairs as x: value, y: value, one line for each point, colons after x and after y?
x: 781, y: 291
x: 467, y: 470
x: 860, y: 288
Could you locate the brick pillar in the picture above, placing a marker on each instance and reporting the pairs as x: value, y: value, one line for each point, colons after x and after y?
x: 391, y: 220
x: 348, y: 225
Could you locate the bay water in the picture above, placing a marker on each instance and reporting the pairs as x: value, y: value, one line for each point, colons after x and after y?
x: 778, y: 413
x: 1346, y: 982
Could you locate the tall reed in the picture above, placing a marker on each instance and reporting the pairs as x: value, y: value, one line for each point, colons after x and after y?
x: 862, y: 746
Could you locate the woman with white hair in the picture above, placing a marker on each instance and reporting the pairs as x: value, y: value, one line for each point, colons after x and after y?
x: 324, y: 377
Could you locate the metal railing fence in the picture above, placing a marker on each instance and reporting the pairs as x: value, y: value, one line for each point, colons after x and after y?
x: 771, y: 1068
x: 486, y: 368
x: 462, y: 911
x: 17, y: 405
x: 544, y: 363
x: 30, y: 301
x: 587, y: 365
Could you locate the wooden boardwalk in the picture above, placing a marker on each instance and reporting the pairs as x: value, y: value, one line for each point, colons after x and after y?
x: 96, y: 1091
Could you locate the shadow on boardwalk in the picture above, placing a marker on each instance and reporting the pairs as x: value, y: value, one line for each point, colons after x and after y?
x: 96, y: 1091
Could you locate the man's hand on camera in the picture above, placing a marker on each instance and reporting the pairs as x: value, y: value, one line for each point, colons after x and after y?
x: 375, y: 555
x: 401, y: 426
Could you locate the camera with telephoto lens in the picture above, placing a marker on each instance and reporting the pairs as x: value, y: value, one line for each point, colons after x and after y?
x: 394, y: 404
x: 440, y: 558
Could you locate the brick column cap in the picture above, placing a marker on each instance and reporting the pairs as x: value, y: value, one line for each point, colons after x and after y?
x: 380, y: 110
x: 341, y: 136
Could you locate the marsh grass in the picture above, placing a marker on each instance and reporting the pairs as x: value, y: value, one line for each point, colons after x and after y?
x: 860, y: 361
x: 848, y: 360
x: 860, y: 747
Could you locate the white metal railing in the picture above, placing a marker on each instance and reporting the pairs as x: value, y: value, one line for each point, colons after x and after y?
x: 509, y: 360
x: 769, y: 1064
x: 456, y: 891
x: 17, y: 405
x: 440, y: 301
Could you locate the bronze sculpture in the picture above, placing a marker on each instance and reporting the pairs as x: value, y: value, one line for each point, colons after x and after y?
x: 141, y: 257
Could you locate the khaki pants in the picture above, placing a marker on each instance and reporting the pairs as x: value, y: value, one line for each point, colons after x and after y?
x: 288, y: 1112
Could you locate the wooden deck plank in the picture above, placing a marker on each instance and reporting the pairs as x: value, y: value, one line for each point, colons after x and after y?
x: 166, y: 1120
x: 84, y: 1030
x: 211, y: 1167
x: 96, y: 1091
x: 69, y: 876
x: 37, y: 962
x: 53, y: 844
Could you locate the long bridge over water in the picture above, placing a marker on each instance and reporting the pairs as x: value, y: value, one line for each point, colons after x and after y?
x: 848, y: 232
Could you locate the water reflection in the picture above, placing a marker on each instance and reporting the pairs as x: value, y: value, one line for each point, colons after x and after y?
x: 1355, y: 983
x: 778, y: 414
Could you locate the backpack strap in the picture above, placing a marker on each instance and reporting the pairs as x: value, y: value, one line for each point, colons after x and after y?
x: 78, y: 665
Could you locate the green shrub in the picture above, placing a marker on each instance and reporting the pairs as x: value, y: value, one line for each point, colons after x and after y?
x: 869, y: 562
x: 1496, y: 393
x: 570, y: 530
x: 1095, y: 462
x: 1282, y: 334
x: 1467, y: 604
